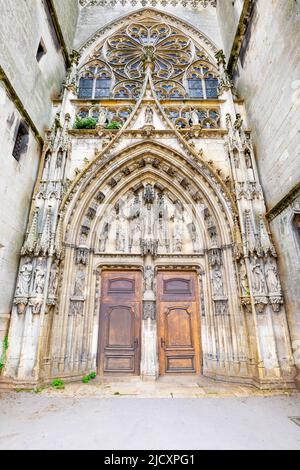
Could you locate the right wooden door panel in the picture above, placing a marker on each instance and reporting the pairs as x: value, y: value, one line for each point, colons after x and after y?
x: 178, y: 323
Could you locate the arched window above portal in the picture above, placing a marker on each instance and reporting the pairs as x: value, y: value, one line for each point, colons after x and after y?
x: 95, y: 81
x: 180, y: 67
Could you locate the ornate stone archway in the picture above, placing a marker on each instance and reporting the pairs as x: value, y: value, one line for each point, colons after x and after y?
x: 176, y: 187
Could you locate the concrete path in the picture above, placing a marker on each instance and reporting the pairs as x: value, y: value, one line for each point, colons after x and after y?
x: 29, y: 421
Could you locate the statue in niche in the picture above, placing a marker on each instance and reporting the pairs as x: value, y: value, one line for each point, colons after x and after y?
x: 218, y: 281
x: 104, y: 237
x: 39, y: 279
x: 149, y: 278
x: 47, y: 165
x: 244, y: 279
x: 259, y: 283
x: 177, y: 238
x: 193, y: 234
x: 53, y: 282
x: 149, y: 194
x: 102, y: 116
x: 195, y: 117
x: 248, y: 159
x: 238, y: 125
x: 135, y: 209
x: 79, y: 283
x: 24, y: 279
x: 273, y: 282
x: 59, y: 160
x: 149, y: 116
x: 121, y: 236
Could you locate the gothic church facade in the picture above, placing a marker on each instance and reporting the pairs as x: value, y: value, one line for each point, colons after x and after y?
x: 148, y: 249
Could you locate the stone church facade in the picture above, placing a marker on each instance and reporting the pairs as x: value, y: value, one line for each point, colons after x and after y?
x: 148, y: 249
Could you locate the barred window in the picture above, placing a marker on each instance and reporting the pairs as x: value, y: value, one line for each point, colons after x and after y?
x: 21, y: 142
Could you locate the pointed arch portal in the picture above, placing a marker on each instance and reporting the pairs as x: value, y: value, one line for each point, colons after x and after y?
x: 147, y: 251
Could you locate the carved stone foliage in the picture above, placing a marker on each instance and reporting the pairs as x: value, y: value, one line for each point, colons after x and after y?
x: 82, y: 255
x: 149, y: 310
x: 153, y: 3
x: 221, y: 308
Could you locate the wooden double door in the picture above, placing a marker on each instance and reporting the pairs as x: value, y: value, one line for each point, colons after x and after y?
x: 178, y: 322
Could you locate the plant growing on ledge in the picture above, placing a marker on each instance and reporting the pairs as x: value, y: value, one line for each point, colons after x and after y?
x: 89, y: 377
x: 3, y: 355
x: 58, y: 384
x: 114, y: 125
x: 85, y: 123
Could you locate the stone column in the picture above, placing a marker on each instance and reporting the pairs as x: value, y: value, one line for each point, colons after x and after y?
x: 149, y: 361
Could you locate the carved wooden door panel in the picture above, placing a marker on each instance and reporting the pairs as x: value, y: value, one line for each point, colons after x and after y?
x: 120, y: 323
x: 178, y: 323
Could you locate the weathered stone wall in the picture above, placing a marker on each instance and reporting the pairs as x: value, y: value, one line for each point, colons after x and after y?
x: 267, y: 77
x: 67, y: 12
x: 92, y: 18
x: 229, y: 13
x: 16, y: 186
x: 36, y: 83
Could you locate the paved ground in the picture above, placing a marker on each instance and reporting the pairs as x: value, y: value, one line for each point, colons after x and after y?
x: 115, y: 416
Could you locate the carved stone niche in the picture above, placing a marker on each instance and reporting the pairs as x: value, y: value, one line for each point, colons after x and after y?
x: 76, y: 308
x: 149, y: 310
x: 221, y: 308
x: 100, y: 197
x: 82, y: 255
x: 215, y: 257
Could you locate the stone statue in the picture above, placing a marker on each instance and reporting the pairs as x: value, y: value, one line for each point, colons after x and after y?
x: 149, y: 116
x: 79, y: 283
x: 104, y: 237
x: 121, y: 236
x: 177, y: 238
x: 259, y: 283
x: 24, y: 279
x: 218, y: 281
x: 273, y: 279
x: 195, y: 117
x: 102, y: 116
x: 39, y: 279
x: 149, y: 278
x: 53, y: 282
x: 248, y: 159
x: 244, y: 279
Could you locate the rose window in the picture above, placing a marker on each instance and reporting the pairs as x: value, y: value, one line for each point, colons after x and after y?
x: 169, y: 51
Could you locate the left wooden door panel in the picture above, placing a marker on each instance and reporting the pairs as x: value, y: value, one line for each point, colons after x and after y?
x: 120, y: 323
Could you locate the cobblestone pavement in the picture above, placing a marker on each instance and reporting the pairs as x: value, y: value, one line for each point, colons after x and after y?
x: 181, y: 414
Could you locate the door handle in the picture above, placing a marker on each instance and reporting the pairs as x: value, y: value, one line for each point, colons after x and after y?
x: 162, y: 343
x: 136, y: 343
